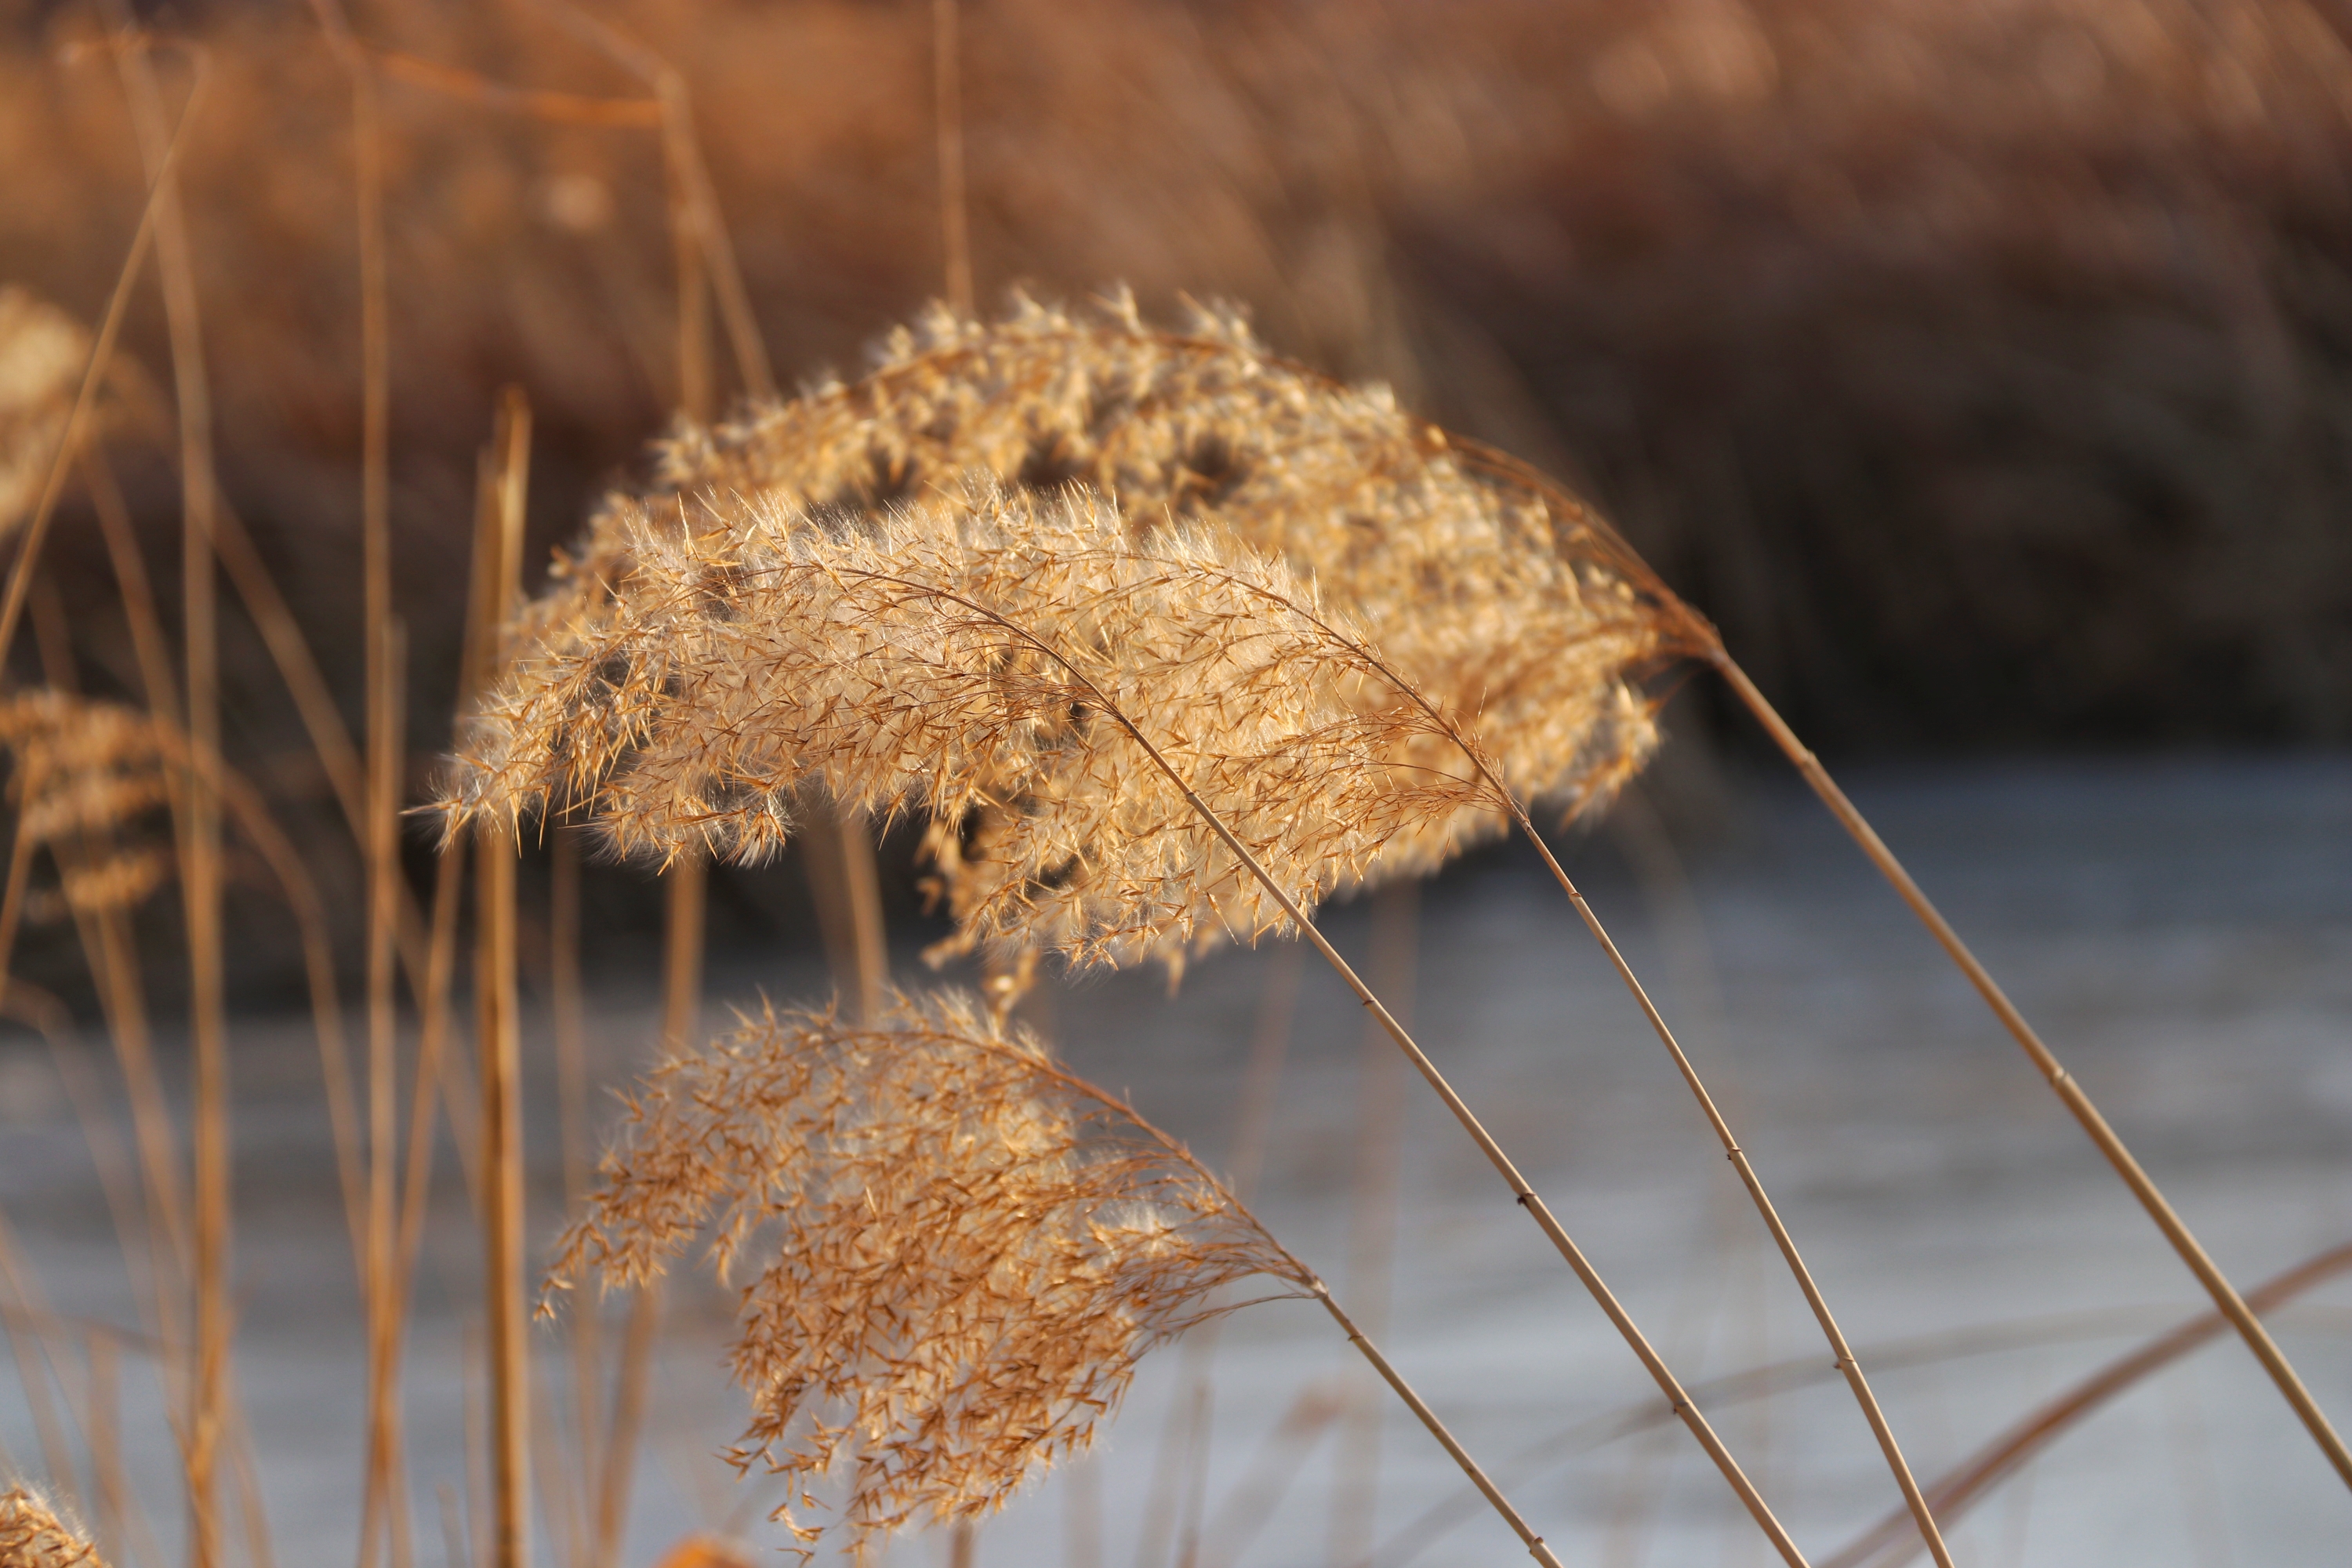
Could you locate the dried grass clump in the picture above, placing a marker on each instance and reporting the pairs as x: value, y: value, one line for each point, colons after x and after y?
x: 33, y: 1536
x: 89, y: 779
x: 960, y: 661
x: 962, y: 1250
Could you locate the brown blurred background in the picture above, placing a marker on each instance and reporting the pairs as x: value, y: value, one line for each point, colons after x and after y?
x: 1985, y: 369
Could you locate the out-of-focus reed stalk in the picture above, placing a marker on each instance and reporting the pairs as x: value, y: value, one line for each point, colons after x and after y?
x: 498, y: 563
x: 101, y: 356
x: 385, y: 1505
x: 947, y: 112
x: 1970, y: 1481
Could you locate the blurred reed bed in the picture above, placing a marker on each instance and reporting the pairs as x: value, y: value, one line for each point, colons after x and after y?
x: 1160, y: 638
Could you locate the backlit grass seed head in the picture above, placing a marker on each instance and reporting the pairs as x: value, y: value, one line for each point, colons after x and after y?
x: 1495, y: 598
x: 89, y: 782
x: 1504, y: 602
x: 971, y: 663
x: 31, y: 1535
x: 957, y: 1252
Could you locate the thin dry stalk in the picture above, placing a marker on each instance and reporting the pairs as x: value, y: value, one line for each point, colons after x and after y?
x: 2070, y: 1092
x: 200, y: 835
x: 688, y: 888
x: 498, y: 565
x: 1374, y: 1203
x: 1693, y: 633
x: 1970, y: 1481
x: 568, y: 1012
x: 947, y: 108
x: 101, y: 356
x: 26, y: 1321
x: 976, y: 1249
x: 383, y: 1508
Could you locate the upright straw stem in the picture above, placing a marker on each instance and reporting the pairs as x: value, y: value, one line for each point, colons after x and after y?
x: 947, y: 99
x: 2226, y: 1299
x: 498, y: 563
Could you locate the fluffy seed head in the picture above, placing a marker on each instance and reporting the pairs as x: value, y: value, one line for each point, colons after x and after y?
x: 980, y: 665
x: 33, y: 1536
x: 1504, y: 600
x: 959, y: 1252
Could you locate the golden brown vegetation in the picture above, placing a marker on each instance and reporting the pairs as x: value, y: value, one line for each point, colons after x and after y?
x: 33, y: 1536
x: 1162, y: 637
x: 956, y: 1252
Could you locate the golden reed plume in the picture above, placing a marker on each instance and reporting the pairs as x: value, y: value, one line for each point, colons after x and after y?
x: 960, y: 1251
x: 90, y: 783
x: 1508, y: 607
x: 953, y: 661
x: 33, y: 1536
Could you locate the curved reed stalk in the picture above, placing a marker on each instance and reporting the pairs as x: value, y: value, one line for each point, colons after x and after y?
x: 973, y: 1251
x: 1696, y: 634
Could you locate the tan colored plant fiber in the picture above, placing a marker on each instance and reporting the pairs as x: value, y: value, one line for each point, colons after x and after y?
x: 958, y: 1251
x: 33, y: 1536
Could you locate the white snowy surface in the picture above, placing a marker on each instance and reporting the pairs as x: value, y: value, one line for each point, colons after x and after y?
x: 2180, y: 932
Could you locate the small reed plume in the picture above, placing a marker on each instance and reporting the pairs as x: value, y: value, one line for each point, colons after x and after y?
x: 33, y: 1536
x: 955, y: 661
x: 43, y: 351
x: 960, y: 1251
x: 90, y: 782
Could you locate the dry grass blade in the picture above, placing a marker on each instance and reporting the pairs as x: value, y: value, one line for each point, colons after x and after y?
x: 973, y: 1250
x: 33, y: 1536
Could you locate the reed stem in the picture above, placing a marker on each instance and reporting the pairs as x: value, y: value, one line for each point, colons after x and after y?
x: 1437, y: 1429
x: 2226, y: 1299
x: 946, y: 95
x: 1969, y: 1482
x: 497, y: 562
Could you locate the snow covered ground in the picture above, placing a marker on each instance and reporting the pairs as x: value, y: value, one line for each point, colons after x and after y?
x: 2181, y: 933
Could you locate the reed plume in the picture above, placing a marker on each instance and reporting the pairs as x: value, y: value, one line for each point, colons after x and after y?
x: 945, y: 660
x: 960, y: 1251
x: 1502, y: 601
x: 90, y: 780
x: 33, y: 1536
